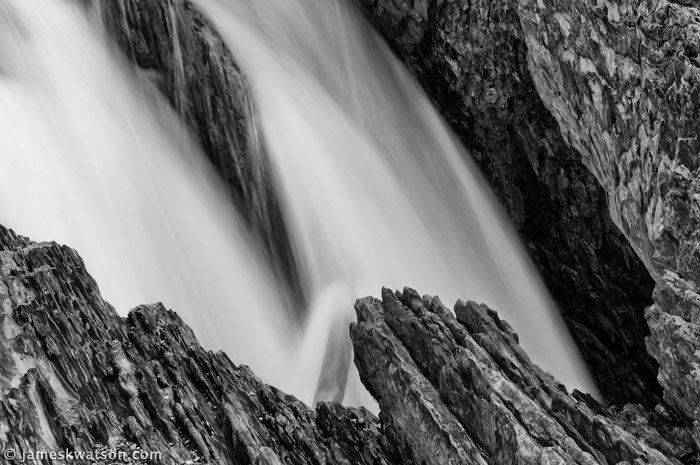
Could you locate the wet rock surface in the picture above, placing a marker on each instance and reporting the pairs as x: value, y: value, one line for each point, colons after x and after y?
x: 674, y: 320
x: 76, y: 376
x: 472, y: 60
x: 460, y: 389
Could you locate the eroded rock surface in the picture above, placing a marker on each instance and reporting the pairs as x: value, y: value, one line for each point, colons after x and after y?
x: 622, y: 79
x: 463, y: 390
x: 674, y: 320
x: 74, y: 375
x: 472, y: 59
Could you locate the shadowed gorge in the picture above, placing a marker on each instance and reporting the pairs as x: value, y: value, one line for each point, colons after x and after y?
x: 482, y: 85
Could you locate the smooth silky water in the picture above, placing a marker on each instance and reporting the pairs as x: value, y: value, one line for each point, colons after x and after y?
x: 93, y: 158
x: 375, y: 189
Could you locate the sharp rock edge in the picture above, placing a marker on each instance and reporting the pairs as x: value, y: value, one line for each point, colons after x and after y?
x: 452, y: 390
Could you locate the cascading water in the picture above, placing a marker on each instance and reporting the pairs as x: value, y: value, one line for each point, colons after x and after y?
x: 376, y: 190
x: 90, y: 158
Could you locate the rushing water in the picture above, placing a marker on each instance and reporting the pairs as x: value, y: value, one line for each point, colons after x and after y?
x: 375, y: 189
x: 93, y: 159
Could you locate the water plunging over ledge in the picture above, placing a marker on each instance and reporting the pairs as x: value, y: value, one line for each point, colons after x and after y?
x: 93, y: 158
x: 376, y: 190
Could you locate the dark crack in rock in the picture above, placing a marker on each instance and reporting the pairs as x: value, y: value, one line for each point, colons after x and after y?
x: 622, y: 79
x: 471, y: 58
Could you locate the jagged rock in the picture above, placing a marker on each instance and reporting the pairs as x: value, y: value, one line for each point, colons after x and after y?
x: 171, y: 40
x: 462, y: 390
x: 621, y: 78
x: 674, y: 320
x: 471, y: 58
x: 74, y: 375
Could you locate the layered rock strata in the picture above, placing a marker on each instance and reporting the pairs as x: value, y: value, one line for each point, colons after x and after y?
x: 460, y: 390
x: 75, y: 376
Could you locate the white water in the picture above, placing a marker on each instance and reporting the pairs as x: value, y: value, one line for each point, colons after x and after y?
x: 375, y: 188
x: 91, y: 159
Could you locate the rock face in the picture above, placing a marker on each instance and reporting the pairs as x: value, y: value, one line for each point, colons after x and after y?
x: 462, y: 391
x: 188, y: 61
x: 74, y: 375
x: 472, y: 59
x: 622, y: 80
x: 675, y: 342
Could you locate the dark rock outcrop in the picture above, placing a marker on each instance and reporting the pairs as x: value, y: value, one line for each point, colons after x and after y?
x: 471, y: 58
x: 76, y: 376
x: 172, y: 42
x: 462, y: 391
x: 622, y: 80
x: 675, y: 342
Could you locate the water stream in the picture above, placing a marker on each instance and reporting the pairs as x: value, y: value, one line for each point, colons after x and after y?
x: 92, y: 157
x: 375, y: 189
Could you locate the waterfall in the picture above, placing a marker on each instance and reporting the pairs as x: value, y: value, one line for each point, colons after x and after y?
x: 376, y: 190
x: 94, y: 158
x: 179, y: 71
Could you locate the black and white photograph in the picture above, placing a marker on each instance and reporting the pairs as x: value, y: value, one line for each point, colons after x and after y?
x: 349, y: 232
